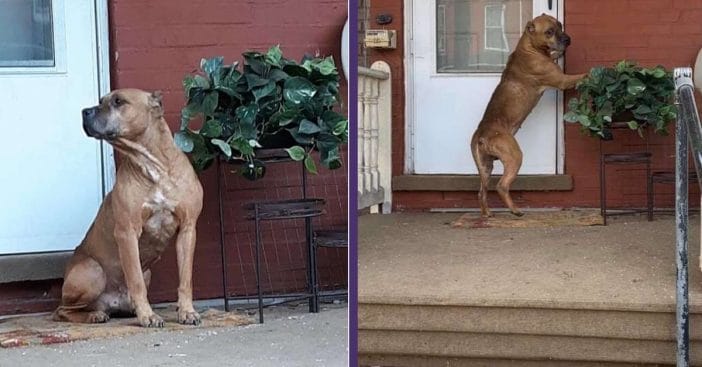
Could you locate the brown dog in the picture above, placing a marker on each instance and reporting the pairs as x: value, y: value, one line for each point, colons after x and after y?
x: 529, y: 71
x: 157, y: 197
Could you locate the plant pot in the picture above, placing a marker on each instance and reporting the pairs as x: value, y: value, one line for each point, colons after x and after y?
x: 620, y: 121
x: 280, y: 140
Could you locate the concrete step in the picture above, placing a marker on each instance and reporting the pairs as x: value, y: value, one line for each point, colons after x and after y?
x: 624, y: 324
x: 425, y: 361
x: 519, y: 347
x: 419, y: 335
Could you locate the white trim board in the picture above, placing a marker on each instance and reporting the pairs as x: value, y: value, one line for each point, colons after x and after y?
x: 103, y: 57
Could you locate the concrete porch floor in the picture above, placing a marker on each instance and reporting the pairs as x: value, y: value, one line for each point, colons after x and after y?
x: 290, y: 336
x: 419, y: 258
x: 430, y: 294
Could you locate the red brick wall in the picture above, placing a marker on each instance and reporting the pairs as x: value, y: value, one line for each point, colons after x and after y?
x: 395, y: 58
x: 153, y: 45
x: 666, y: 32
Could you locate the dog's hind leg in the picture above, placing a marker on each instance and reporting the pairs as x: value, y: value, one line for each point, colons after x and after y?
x: 83, y: 284
x: 484, y: 162
x: 508, y: 152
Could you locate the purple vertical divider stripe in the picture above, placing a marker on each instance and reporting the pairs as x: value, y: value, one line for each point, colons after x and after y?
x: 353, y: 182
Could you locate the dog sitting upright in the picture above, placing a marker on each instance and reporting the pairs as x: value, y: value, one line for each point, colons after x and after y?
x: 530, y: 69
x: 156, y: 199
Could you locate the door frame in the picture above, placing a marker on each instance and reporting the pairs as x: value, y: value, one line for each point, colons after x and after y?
x: 102, y: 44
x: 51, y: 265
x: 410, y: 113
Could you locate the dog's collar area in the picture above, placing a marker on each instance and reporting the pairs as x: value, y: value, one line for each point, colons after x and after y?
x: 150, y: 166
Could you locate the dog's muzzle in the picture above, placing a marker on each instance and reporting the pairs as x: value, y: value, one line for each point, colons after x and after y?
x: 564, y: 40
x: 88, y: 117
x: 91, y: 124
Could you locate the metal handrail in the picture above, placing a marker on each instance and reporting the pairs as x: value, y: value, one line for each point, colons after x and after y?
x: 688, y: 131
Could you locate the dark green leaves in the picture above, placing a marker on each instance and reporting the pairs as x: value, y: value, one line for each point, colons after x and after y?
x: 221, y: 144
x: 211, y: 66
x: 635, y: 86
x: 618, y: 93
x: 264, y: 91
x: 201, y: 82
x: 309, y: 164
x: 209, y: 103
x: 285, y: 117
x: 188, y: 84
x: 308, y: 127
x: 274, y: 56
x: 188, y: 113
x: 297, y: 153
x: 247, y: 114
x: 298, y: 90
x: 341, y: 128
x: 211, y: 129
x: 183, y: 141
x: 571, y: 116
x: 268, y: 97
x: 242, y: 145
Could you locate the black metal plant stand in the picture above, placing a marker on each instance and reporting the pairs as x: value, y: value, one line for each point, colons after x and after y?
x: 330, y: 239
x: 627, y: 158
x: 304, y: 208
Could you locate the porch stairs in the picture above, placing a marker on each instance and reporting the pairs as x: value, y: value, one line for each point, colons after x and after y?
x: 519, y: 335
x: 430, y: 295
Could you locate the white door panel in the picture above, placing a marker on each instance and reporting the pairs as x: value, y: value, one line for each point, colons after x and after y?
x: 459, y: 49
x: 51, y: 171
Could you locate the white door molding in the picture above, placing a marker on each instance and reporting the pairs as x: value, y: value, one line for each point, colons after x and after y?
x: 102, y: 43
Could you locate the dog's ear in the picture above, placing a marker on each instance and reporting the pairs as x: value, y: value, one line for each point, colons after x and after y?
x: 530, y: 27
x: 155, y: 102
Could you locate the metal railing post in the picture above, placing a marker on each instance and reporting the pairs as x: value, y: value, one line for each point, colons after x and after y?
x: 688, y: 132
x: 681, y: 225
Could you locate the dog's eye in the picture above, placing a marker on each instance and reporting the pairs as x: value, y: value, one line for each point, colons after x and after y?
x: 550, y: 32
x: 118, y: 101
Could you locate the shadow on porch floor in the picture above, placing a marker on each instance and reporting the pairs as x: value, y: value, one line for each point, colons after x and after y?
x: 482, y: 296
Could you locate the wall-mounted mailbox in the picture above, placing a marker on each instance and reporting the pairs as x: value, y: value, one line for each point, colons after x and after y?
x: 380, y: 38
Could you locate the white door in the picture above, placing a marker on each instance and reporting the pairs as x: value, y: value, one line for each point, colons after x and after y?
x: 50, y: 171
x: 459, y: 49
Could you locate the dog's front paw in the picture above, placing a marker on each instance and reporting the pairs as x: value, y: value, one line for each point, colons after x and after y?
x: 98, y: 317
x: 189, y: 318
x: 152, y: 320
x: 518, y: 213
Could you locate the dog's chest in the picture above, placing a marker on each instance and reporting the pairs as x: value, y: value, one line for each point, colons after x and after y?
x: 161, y: 222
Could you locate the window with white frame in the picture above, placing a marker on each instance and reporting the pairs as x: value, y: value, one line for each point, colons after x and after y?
x: 26, y: 33
x: 441, y: 28
x: 495, y: 37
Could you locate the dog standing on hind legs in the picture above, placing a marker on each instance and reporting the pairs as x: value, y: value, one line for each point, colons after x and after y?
x: 530, y: 69
x: 156, y: 201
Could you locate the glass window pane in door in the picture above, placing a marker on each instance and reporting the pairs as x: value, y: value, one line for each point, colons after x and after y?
x: 477, y: 36
x: 26, y: 33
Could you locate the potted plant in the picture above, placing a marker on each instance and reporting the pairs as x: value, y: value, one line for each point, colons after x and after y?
x: 272, y: 102
x: 627, y: 93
